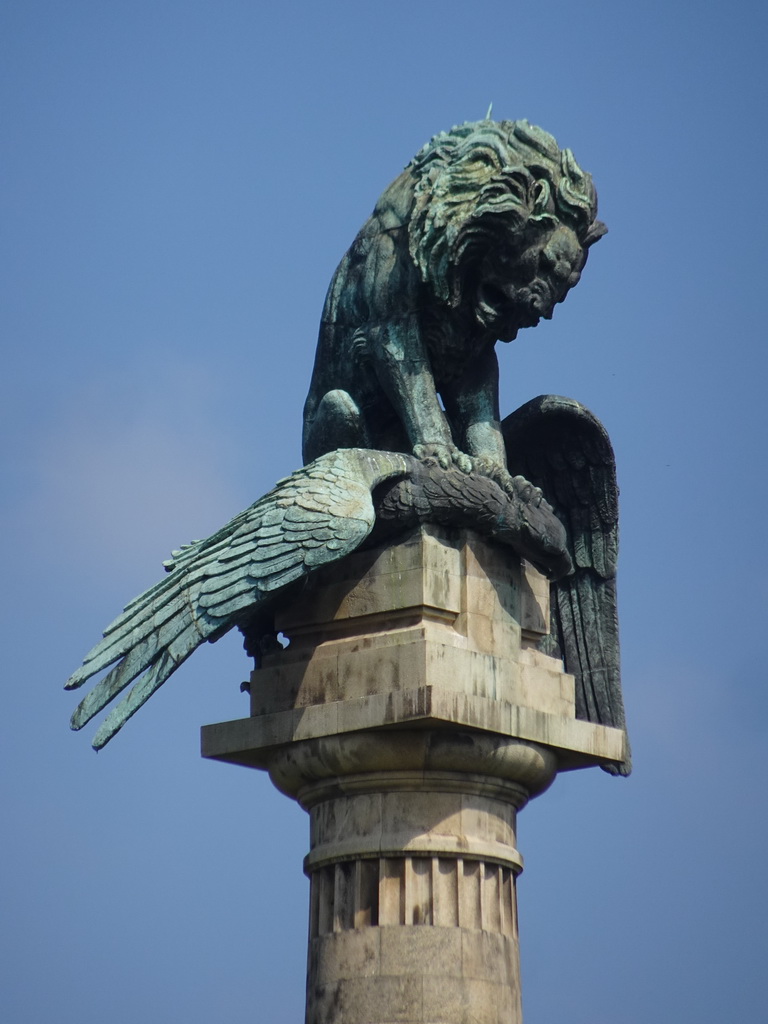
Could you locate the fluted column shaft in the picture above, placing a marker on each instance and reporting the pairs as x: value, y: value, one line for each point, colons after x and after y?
x: 412, y: 866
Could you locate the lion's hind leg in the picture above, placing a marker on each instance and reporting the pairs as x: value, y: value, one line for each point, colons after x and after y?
x: 337, y: 423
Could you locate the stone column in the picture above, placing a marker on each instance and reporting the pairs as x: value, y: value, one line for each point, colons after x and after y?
x: 412, y: 864
x: 412, y: 716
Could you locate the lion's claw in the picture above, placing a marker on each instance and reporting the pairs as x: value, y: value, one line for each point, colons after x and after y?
x: 526, y: 492
x: 523, y: 488
x: 446, y: 456
x: 462, y: 462
x: 516, y: 487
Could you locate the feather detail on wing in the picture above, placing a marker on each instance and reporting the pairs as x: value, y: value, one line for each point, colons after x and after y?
x: 562, y: 448
x: 317, y: 515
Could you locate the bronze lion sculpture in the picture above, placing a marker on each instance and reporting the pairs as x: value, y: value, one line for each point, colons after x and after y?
x: 483, y: 233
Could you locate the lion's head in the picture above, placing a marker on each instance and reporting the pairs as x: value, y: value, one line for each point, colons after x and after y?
x: 502, y: 219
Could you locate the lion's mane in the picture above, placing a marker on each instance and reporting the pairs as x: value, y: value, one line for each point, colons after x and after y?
x: 489, y: 181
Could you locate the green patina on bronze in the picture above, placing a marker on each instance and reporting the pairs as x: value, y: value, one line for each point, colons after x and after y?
x: 483, y: 233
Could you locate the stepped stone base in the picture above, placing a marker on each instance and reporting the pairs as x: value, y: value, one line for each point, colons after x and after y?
x: 412, y: 716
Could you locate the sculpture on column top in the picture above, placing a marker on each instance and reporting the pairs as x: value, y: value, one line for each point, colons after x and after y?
x: 482, y: 234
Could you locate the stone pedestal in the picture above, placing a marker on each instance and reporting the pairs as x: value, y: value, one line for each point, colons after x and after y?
x: 412, y: 716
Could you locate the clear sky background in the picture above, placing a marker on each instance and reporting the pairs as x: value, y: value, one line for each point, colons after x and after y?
x: 180, y: 179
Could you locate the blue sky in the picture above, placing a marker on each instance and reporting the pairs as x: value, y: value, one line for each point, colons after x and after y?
x: 180, y: 180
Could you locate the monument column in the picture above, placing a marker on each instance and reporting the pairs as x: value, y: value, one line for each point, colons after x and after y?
x: 412, y: 866
x: 412, y: 716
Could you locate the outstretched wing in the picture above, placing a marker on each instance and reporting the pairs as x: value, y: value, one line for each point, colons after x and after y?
x: 562, y: 448
x: 317, y: 515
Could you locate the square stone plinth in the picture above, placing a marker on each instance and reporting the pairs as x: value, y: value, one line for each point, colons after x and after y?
x: 439, y: 630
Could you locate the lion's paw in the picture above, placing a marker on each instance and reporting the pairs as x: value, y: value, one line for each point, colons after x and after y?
x: 515, y: 487
x: 486, y: 466
x: 526, y: 492
x: 445, y: 455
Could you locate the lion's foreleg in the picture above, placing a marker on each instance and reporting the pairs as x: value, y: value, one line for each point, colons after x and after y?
x: 407, y: 378
x: 472, y: 404
x: 473, y: 409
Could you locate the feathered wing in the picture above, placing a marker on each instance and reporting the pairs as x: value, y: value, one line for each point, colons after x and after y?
x: 317, y: 515
x: 562, y: 448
